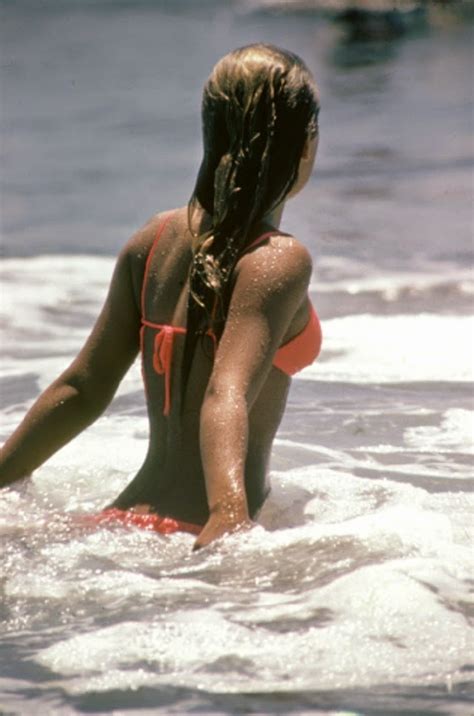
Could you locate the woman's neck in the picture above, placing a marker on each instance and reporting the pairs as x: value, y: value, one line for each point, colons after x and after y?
x: 274, y: 217
x: 204, y: 221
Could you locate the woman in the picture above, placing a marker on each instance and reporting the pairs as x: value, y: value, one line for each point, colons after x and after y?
x: 216, y: 297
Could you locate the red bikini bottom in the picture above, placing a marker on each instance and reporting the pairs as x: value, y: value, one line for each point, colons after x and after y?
x: 147, y: 521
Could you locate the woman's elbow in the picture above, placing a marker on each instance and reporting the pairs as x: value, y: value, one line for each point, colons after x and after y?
x: 225, y: 392
x: 89, y: 400
x: 222, y: 400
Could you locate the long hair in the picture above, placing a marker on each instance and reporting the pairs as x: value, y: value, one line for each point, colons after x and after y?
x: 260, y: 105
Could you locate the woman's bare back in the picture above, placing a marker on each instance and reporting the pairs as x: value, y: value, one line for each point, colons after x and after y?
x: 171, y: 480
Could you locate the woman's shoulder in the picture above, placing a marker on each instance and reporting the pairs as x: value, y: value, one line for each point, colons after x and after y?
x: 280, y: 258
x: 135, y: 253
x: 141, y: 242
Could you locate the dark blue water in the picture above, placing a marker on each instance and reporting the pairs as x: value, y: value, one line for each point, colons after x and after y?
x: 100, y: 117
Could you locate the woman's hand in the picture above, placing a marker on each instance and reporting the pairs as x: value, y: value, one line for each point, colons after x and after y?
x: 221, y: 523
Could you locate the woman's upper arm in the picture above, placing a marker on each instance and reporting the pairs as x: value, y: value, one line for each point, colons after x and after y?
x: 270, y: 286
x: 114, y: 341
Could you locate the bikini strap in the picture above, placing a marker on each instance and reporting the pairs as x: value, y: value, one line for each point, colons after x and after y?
x: 161, y: 227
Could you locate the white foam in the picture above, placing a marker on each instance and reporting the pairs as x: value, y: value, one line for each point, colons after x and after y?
x: 456, y: 432
x: 355, y: 278
x: 368, y: 577
x: 39, y: 285
x: 399, y: 627
x: 367, y: 349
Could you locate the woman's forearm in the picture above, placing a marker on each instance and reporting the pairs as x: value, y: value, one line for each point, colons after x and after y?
x: 223, y: 439
x: 59, y: 414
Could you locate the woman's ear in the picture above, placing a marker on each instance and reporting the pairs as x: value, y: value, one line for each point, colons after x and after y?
x: 310, y: 147
x: 306, y: 149
x: 306, y: 164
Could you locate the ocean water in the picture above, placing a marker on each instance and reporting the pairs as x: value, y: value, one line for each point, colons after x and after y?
x: 354, y: 593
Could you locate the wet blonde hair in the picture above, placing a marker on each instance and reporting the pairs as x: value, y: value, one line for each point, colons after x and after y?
x: 260, y: 105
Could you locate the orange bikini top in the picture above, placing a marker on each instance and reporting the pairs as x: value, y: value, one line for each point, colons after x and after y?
x: 299, y: 352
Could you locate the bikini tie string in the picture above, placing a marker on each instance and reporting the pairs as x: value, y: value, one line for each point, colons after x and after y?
x: 163, y: 354
x: 162, y: 360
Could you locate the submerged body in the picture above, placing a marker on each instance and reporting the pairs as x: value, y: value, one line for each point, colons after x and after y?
x: 171, y: 480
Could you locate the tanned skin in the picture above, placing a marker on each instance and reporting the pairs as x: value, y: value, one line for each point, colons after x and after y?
x: 208, y: 466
